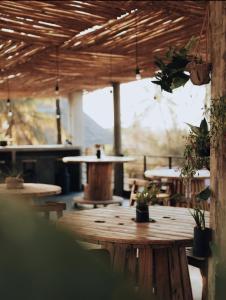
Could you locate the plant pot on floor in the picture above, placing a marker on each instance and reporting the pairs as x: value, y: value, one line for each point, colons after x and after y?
x: 142, y: 214
x: 202, y: 237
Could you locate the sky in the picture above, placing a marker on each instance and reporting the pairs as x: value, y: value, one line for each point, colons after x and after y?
x: 157, y: 110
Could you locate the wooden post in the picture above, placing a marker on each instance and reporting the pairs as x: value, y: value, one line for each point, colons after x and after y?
x: 118, y: 175
x: 218, y: 159
x: 58, y: 122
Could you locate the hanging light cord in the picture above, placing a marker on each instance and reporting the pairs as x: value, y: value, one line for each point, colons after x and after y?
x: 111, y: 66
x: 136, y: 39
x: 57, y: 70
x: 8, y: 95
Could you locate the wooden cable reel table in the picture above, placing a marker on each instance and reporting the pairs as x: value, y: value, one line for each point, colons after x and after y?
x: 30, y: 191
x: 151, y: 254
x: 98, y: 189
x: 174, y: 178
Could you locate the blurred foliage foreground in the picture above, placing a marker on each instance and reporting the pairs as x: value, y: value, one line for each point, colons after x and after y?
x: 41, y: 261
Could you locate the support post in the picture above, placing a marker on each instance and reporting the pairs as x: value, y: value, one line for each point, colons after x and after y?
x: 217, y: 289
x: 76, y: 118
x: 118, y: 174
x: 58, y: 122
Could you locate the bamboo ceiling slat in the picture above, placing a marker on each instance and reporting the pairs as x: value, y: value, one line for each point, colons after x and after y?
x: 96, y: 41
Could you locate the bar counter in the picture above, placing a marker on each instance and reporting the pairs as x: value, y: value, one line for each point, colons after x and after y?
x: 42, y: 164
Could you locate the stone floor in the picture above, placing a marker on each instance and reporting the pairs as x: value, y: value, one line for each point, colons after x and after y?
x: 194, y: 272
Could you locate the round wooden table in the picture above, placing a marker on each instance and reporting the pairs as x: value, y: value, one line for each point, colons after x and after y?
x: 177, y: 186
x: 153, y: 254
x: 31, y: 190
x: 174, y: 174
x: 99, y: 187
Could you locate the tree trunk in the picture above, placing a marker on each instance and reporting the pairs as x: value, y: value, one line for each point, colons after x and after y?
x: 218, y: 158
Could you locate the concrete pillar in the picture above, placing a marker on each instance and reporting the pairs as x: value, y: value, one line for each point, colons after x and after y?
x: 118, y: 174
x: 76, y: 118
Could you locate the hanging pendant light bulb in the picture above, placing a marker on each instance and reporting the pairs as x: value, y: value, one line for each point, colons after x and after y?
x: 137, y: 70
x: 10, y: 113
x: 8, y: 102
x: 138, y: 75
x: 57, y: 88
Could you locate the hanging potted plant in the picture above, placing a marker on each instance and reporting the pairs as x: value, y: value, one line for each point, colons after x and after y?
x: 199, y: 71
x: 198, y: 68
x: 143, y: 199
x: 202, y: 234
x: 172, y: 68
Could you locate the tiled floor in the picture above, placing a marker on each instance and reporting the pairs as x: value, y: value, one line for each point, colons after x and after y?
x: 194, y: 272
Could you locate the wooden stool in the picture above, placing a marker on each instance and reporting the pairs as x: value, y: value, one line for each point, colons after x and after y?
x: 49, y: 207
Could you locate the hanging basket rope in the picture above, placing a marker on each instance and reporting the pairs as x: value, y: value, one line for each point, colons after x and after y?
x: 199, y: 69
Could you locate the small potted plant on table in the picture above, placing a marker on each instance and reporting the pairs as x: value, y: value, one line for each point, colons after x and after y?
x: 143, y: 199
x: 14, y: 180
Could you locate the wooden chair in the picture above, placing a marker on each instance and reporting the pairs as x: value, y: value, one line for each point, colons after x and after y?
x: 49, y: 207
x: 141, y: 183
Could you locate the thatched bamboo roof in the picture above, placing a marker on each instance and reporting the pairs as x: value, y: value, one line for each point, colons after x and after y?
x: 95, y: 41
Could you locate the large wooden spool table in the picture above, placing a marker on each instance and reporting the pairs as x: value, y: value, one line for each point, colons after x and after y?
x: 152, y: 254
x: 99, y: 187
x: 30, y: 191
x: 173, y: 176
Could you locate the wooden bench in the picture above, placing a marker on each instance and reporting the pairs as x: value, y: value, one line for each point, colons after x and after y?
x: 49, y: 207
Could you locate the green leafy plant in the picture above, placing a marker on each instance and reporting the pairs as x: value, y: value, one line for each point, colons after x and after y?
x: 199, y: 217
x: 172, y: 68
x: 217, y: 112
x: 197, y: 149
x: 197, y: 213
x: 147, y: 196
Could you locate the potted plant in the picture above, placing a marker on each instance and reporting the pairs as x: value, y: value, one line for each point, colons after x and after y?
x: 13, y: 180
x: 202, y: 234
x: 177, y: 67
x: 172, y: 68
x: 143, y: 199
x: 197, y: 149
x: 199, y: 71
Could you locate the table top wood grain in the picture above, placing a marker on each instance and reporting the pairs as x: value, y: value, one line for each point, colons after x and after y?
x: 94, y: 159
x: 116, y: 225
